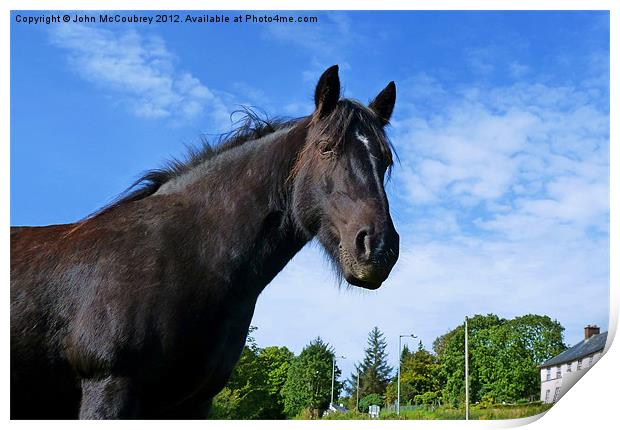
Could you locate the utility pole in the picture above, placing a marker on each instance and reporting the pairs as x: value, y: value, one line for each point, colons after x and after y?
x: 466, y: 374
x: 399, y: 360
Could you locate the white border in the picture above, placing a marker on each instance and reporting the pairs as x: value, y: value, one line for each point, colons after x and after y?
x: 591, y: 403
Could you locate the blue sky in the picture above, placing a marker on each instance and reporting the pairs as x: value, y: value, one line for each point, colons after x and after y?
x: 501, y: 125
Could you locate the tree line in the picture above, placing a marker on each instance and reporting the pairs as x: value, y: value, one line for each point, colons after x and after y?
x: 274, y: 383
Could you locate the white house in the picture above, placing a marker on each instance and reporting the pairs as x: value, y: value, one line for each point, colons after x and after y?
x: 561, y: 372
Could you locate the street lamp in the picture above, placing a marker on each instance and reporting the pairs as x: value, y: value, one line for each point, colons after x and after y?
x: 400, y: 337
x: 334, y: 375
x: 466, y: 374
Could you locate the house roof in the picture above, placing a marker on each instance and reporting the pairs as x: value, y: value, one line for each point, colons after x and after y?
x: 582, y: 349
x: 337, y: 408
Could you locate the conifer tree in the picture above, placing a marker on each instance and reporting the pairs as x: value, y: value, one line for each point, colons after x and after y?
x: 405, y: 353
x: 374, y: 370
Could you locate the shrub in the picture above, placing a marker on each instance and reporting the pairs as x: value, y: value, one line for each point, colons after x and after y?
x: 428, y: 398
x: 371, y: 399
x: 305, y: 414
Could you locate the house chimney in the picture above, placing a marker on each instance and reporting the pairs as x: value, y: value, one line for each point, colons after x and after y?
x: 591, y: 330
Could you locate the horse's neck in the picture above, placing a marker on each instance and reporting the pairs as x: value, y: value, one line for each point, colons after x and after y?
x: 244, y: 196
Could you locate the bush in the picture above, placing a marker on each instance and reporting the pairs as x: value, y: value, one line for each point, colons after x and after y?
x: 428, y: 398
x: 371, y: 399
x: 487, y: 401
x: 225, y: 405
x: 305, y: 414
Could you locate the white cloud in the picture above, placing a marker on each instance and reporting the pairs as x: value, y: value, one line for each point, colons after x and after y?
x: 522, y: 142
x: 137, y: 70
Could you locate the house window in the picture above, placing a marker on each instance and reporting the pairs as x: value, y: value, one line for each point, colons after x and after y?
x: 547, y: 396
x: 579, y: 364
x: 568, y: 366
x: 556, y: 395
x: 548, y: 373
x: 558, y: 372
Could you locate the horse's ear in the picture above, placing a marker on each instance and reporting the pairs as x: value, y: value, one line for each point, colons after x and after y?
x: 327, y: 92
x: 383, y: 104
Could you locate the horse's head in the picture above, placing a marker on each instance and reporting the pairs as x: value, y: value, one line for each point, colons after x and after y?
x: 339, y: 182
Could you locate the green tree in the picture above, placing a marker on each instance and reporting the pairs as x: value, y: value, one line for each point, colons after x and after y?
x: 418, y: 375
x: 374, y: 371
x: 507, y: 356
x: 450, y: 349
x: 503, y: 355
x: 540, y: 335
x: 275, y: 362
x: 308, y: 383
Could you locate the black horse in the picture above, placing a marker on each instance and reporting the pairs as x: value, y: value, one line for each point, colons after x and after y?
x: 142, y: 309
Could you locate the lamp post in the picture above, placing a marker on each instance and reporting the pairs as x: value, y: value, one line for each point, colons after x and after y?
x: 334, y: 375
x: 466, y: 373
x: 400, y: 337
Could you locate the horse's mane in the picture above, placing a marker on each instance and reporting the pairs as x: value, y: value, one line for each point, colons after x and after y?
x: 250, y: 125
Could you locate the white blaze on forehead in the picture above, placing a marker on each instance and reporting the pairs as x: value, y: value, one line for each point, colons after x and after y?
x: 373, y: 160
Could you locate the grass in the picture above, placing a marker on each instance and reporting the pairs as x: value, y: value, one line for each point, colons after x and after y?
x: 498, y: 412
x: 350, y: 415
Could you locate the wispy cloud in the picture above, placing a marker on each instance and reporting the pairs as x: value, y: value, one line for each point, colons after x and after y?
x: 326, y: 44
x: 480, y: 60
x: 138, y: 70
x: 517, y: 70
x: 541, y: 150
x: 335, y: 32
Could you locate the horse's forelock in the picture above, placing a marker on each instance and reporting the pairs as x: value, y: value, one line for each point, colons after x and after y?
x: 333, y: 130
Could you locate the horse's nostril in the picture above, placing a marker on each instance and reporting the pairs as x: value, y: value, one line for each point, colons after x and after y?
x: 362, y: 242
